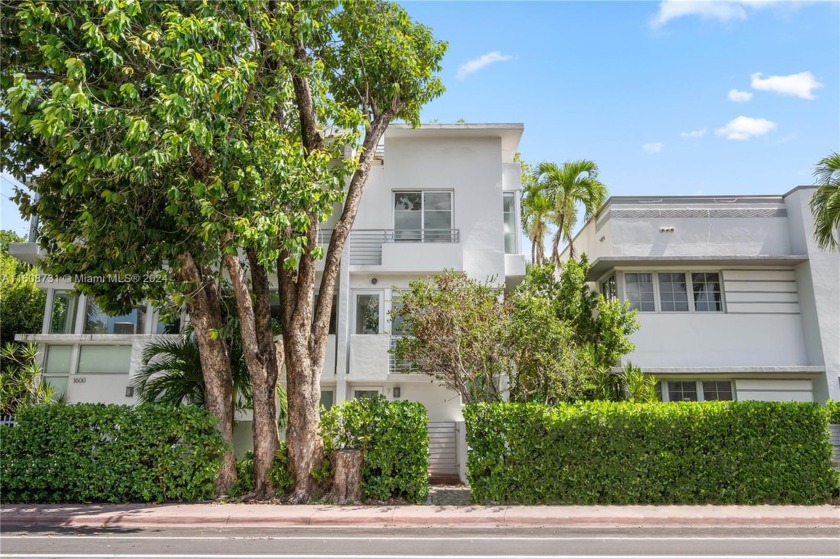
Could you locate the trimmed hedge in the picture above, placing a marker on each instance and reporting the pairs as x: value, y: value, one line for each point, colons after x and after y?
x: 115, y: 454
x: 627, y: 453
x: 833, y: 409
x: 394, y: 441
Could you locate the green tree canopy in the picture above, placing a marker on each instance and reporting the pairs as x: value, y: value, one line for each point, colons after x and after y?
x: 22, y: 308
x: 555, y: 339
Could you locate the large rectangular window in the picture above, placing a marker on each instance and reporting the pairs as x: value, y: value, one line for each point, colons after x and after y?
x: 639, y: 288
x: 424, y: 216
x: 706, y: 292
x: 509, y: 212
x: 698, y: 390
x: 673, y: 296
x: 63, y: 316
x: 98, y: 322
x: 98, y: 359
x: 673, y: 291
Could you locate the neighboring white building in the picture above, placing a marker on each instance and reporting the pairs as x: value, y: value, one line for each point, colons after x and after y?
x: 735, y: 299
x: 444, y: 196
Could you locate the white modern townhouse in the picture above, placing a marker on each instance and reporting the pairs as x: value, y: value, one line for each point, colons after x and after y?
x: 735, y: 300
x: 444, y: 196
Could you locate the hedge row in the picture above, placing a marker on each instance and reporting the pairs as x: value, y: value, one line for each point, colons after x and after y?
x: 833, y: 409
x: 626, y: 453
x: 394, y: 441
x: 116, y: 454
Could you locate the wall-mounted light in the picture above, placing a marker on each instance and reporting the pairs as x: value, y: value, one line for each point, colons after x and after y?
x: 129, y: 392
x: 397, y: 392
x: 374, y: 281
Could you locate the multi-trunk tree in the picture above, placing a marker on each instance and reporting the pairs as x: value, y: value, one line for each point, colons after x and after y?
x: 191, y: 144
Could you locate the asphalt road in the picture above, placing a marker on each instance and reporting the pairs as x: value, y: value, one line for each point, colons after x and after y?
x: 427, y: 543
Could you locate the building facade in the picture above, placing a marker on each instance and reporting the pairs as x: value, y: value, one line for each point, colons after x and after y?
x: 734, y: 298
x: 439, y: 197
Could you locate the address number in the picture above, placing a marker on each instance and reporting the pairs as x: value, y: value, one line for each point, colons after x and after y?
x: 79, y: 380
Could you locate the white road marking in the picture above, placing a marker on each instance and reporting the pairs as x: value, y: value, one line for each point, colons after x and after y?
x: 425, y: 539
x: 366, y: 556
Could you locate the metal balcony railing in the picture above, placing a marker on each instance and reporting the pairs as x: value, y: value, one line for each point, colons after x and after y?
x: 366, y: 244
x: 399, y: 365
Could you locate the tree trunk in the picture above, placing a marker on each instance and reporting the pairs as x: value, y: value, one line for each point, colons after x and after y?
x: 204, y: 308
x: 261, y: 360
x: 347, y: 477
x: 303, y: 437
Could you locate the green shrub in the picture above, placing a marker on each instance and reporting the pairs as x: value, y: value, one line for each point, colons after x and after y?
x: 116, y: 454
x: 245, y: 481
x: 833, y: 409
x: 394, y: 441
x: 624, y: 453
x: 279, y: 471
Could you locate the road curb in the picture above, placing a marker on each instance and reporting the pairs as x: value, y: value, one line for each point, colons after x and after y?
x: 399, y: 517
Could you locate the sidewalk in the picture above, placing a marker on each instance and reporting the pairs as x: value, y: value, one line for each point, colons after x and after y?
x: 250, y: 515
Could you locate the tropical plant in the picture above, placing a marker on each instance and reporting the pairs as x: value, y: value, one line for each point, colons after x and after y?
x: 171, y: 374
x: 825, y: 205
x: 640, y: 387
x: 575, y: 183
x: 536, y: 208
x: 21, y: 384
x: 22, y: 311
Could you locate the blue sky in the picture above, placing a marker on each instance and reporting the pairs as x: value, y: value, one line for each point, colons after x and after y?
x: 643, y: 88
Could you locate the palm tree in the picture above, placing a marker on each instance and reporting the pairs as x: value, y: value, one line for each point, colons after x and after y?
x: 536, y: 210
x: 171, y: 374
x: 576, y: 182
x: 825, y: 205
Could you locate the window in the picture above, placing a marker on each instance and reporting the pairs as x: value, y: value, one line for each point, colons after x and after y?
x: 717, y: 390
x: 669, y: 291
x: 367, y: 393
x: 108, y: 359
x: 327, y: 398
x: 609, y: 289
x: 698, y: 390
x: 97, y: 322
x: 509, y: 212
x: 639, y: 289
x: 63, y: 316
x: 682, y: 391
x: 396, y: 321
x: 673, y: 296
x: 706, y: 290
x: 57, y: 367
x: 424, y: 216
x: 367, y: 313
x: 171, y: 325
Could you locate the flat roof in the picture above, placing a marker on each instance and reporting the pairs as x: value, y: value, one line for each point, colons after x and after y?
x: 509, y: 133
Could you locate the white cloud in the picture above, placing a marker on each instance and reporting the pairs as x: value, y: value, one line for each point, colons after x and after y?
x: 713, y: 9
x: 653, y: 147
x: 694, y: 133
x: 744, y: 128
x: 737, y: 96
x: 482, y: 61
x: 800, y: 85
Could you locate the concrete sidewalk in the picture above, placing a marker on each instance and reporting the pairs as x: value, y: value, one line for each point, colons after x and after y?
x: 214, y: 515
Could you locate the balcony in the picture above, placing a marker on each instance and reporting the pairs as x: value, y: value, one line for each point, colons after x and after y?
x: 409, y: 250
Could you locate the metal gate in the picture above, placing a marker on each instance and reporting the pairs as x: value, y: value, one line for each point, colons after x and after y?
x: 443, y: 452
